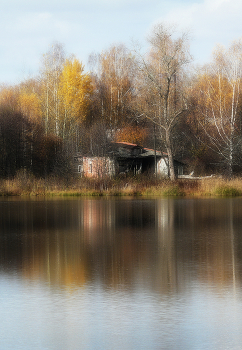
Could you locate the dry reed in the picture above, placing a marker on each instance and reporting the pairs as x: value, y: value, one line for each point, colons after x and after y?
x: 26, y: 184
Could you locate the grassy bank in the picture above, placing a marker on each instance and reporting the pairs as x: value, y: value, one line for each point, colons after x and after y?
x: 27, y: 185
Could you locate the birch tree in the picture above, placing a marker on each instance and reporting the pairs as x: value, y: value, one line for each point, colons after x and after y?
x: 52, y: 65
x: 160, y: 93
x: 113, y: 77
x: 218, y: 91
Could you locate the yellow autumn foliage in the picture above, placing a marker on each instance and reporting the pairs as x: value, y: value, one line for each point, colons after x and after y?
x: 29, y: 105
x: 75, y: 89
x: 8, y: 97
x: 214, y: 91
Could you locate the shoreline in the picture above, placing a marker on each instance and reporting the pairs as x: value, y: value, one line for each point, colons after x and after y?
x: 144, y: 187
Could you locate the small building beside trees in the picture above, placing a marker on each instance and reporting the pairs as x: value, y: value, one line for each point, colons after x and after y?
x: 126, y: 158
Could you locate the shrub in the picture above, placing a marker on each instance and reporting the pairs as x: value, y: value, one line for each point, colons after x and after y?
x: 227, y: 191
x: 173, y: 191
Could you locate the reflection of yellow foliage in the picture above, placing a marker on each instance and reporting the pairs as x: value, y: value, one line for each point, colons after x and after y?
x: 74, y: 274
x: 132, y: 134
x: 56, y: 264
x: 215, y: 258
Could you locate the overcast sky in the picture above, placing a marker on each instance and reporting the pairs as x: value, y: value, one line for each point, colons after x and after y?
x: 29, y: 27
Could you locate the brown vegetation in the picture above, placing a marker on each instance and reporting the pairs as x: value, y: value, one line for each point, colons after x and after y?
x: 25, y: 184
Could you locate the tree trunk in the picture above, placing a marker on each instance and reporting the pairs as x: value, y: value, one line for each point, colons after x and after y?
x: 170, y: 157
x: 231, y: 151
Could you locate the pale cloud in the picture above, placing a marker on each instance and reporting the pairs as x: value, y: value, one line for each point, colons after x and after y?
x: 74, y: 5
x: 83, y: 26
x: 28, y: 27
x: 26, y: 37
x: 210, y: 22
x: 215, y: 5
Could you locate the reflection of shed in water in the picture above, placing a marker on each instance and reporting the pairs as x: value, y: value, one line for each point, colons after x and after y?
x: 97, y: 217
x: 126, y: 158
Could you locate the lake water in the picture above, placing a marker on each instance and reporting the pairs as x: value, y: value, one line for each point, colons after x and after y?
x: 121, y: 274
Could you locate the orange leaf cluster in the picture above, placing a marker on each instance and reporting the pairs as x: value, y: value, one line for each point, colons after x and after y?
x: 131, y: 134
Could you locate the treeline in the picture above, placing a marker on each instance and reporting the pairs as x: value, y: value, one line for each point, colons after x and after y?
x: 156, y: 99
x: 24, y: 145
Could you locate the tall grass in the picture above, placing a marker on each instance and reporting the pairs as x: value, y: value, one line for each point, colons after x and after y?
x: 25, y: 184
x: 221, y: 187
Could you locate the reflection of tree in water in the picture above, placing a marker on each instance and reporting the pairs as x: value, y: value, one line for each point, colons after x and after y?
x: 166, y: 273
x: 158, y: 244
x: 80, y: 241
x: 208, y: 239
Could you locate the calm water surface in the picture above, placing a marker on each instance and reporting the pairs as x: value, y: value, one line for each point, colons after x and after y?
x: 121, y: 274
